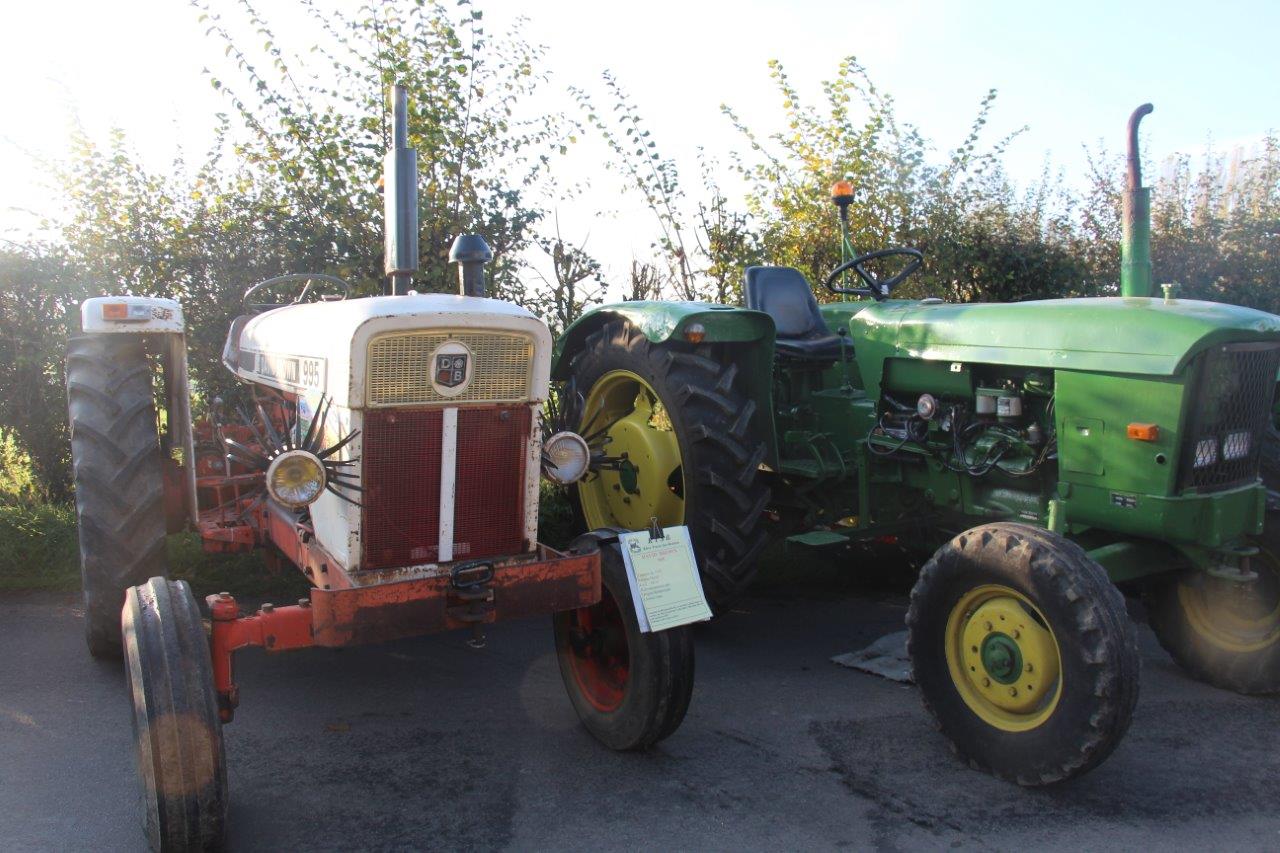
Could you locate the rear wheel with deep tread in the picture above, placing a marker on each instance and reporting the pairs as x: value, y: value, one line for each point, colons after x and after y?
x: 119, y: 485
x: 629, y: 689
x: 1023, y: 652
x: 679, y: 415
x: 177, y: 732
x: 1221, y: 632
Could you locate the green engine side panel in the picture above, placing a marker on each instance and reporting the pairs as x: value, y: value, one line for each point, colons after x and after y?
x: 1094, y: 411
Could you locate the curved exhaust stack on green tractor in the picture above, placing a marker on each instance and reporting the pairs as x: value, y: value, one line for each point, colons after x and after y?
x: 1135, y: 245
x: 1047, y: 450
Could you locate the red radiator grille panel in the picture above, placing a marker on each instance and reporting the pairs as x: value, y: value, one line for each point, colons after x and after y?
x: 489, y: 515
x: 401, y: 461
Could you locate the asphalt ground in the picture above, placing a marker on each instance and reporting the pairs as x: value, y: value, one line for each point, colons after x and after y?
x: 428, y: 744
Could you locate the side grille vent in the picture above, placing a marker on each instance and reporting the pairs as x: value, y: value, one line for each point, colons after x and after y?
x: 1233, y: 392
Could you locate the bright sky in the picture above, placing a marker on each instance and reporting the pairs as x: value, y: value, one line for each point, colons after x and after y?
x: 1072, y: 71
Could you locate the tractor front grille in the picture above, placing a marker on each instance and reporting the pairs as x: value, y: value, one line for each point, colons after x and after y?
x: 401, y: 458
x: 1232, y: 395
x: 400, y: 368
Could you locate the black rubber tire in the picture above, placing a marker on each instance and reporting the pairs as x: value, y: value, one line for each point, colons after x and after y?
x: 725, y: 496
x: 1253, y: 672
x: 1097, y: 647
x: 117, y: 465
x: 177, y: 733
x: 660, y: 684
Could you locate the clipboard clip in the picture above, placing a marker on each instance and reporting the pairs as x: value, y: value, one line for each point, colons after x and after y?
x: 655, y: 529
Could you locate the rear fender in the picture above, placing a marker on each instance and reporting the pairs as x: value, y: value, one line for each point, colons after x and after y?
x: 747, y: 337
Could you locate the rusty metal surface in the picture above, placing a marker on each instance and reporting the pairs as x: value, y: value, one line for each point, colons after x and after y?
x: 275, y: 629
x: 347, y: 615
x: 426, y: 605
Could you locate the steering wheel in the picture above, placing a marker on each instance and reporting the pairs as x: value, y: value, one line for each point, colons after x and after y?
x: 877, y: 288
x: 308, y: 277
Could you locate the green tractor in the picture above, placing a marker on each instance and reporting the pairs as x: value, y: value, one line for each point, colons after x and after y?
x: 1043, y: 451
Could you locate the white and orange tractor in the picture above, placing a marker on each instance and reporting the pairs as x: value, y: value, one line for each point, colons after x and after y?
x: 389, y: 447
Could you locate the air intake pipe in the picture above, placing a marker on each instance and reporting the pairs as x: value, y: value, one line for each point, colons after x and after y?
x: 400, y: 198
x: 1135, y: 245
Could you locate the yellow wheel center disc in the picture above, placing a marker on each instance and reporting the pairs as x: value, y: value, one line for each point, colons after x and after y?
x: 643, y: 478
x: 1003, y: 660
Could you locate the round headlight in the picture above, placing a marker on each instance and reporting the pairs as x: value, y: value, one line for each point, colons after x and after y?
x: 296, y: 478
x: 565, y: 458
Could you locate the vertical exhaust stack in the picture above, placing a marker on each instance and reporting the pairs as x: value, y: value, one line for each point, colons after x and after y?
x: 400, y: 198
x: 1135, y: 246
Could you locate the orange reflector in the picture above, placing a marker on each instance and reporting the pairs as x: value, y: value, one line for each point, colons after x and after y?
x: 842, y: 189
x: 1144, y: 432
x: 115, y: 311
x: 695, y: 332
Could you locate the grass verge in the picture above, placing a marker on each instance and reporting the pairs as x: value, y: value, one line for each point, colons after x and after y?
x: 39, y: 550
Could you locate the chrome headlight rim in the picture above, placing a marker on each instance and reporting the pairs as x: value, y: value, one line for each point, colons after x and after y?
x: 568, y: 446
x: 318, y: 482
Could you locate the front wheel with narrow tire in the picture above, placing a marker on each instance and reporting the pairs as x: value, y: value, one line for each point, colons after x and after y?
x: 670, y: 433
x: 119, y: 485
x: 1023, y: 652
x: 177, y: 733
x: 630, y: 689
x: 1223, y: 632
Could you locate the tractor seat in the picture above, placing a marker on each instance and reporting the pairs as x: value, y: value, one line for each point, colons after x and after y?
x: 785, y: 295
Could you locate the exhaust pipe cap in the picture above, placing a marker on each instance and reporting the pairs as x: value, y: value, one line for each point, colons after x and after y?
x: 470, y: 249
x: 470, y: 252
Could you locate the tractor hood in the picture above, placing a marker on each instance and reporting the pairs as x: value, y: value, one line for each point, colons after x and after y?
x: 322, y: 346
x: 1138, y: 335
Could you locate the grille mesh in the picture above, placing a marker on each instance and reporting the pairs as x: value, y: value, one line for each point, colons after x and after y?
x: 1233, y: 393
x: 400, y: 368
x: 401, y: 461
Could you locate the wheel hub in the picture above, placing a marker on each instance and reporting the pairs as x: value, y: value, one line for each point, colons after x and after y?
x: 628, y: 476
x: 600, y: 660
x: 1003, y: 660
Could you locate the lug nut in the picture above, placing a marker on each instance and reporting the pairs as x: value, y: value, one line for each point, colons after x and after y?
x: 304, y: 602
x: 1016, y: 633
x: 1013, y: 691
x: 1030, y: 668
x: 989, y: 626
x: 986, y: 682
x: 268, y: 607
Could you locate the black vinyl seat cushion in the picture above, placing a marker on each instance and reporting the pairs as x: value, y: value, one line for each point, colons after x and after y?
x: 785, y: 295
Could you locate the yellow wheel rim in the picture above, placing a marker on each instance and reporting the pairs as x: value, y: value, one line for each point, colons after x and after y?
x: 1003, y: 658
x: 1233, y: 617
x: 638, y: 473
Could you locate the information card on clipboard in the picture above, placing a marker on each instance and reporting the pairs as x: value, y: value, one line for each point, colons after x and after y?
x: 663, y: 574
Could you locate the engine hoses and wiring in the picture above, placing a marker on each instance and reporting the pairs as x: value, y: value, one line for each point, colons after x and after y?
x: 880, y: 451
x: 964, y: 435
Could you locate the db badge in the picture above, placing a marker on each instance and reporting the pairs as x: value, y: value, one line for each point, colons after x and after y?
x: 451, y: 366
